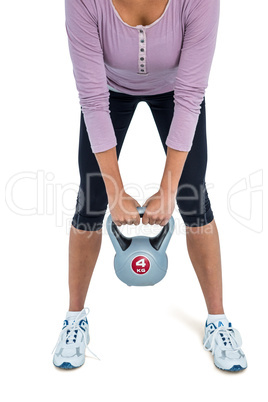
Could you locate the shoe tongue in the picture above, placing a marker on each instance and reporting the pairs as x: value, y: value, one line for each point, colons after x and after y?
x: 70, y: 319
x: 72, y: 315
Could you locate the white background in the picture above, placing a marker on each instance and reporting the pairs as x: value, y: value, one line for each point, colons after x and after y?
x: 149, y: 339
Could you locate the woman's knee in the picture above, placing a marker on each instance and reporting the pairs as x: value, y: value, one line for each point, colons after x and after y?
x: 91, y: 206
x: 82, y: 222
x: 194, y: 205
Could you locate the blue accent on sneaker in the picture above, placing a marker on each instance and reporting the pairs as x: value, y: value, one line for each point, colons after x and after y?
x: 65, y: 323
x: 237, y: 368
x: 220, y: 324
x: 233, y: 369
x: 66, y: 366
x: 81, y: 324
x: 207, y: 325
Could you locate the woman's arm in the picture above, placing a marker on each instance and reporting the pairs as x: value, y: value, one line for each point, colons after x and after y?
x: 89, y: 72
x: 201, y: 19
x: 201, y: 27
x: 161, y: 205
x: 122, y: 206
x: 108, y: 164
x: 173, y: 169
x: 91, y: 82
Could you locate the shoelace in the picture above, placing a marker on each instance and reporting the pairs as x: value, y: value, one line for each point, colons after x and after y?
x: 74, y: 326
x: 229, y: 334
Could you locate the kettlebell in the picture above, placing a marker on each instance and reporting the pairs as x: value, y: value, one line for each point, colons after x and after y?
x: 140, y: 260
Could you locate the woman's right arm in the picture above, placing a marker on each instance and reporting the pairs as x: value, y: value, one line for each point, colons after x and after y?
x: 91, y: 82
x: 89, y: 72
x: 122, y: 206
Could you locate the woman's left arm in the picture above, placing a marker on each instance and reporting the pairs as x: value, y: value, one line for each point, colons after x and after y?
x: 173, y: 169
x: 201, y: 27
x: 162, y: 203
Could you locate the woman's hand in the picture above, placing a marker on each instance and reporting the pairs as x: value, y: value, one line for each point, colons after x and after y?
x: 124, y: 209
x: 159, y: 208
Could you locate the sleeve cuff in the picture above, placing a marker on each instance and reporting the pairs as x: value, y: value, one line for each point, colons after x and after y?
x: 103, y: 147
x: 100, y: 130
x: 182, y: 128
x: 178, y: 145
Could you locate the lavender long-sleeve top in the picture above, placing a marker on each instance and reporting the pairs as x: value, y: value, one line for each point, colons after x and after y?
x: 175, y: 52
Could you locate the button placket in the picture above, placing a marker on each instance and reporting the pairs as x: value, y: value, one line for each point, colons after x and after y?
x: 142, y: 52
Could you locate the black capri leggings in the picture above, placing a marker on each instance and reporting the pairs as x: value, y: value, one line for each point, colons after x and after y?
x: 192, y: 197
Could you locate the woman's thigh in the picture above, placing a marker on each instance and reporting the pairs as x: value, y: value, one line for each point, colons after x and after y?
x: 192, y: 196
x: 92, y: 200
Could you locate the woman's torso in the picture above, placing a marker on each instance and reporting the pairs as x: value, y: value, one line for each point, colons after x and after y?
x: 141, y: 45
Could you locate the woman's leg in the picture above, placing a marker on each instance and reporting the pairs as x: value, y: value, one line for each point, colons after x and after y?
x: 202, y: 236
x: 194, y: 204
x: 83, y: 254
x: 204, y: 251
x: 86, y: 229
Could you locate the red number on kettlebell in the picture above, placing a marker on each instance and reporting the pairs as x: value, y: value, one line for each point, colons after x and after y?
x: 140, y: 261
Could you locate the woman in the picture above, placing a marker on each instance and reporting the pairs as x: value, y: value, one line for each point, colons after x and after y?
x: 160, y: 52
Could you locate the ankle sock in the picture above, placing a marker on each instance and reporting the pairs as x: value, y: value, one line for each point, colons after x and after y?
x: 72, y: 314
x: 212, y: 318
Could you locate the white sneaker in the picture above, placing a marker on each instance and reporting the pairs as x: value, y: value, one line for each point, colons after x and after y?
x: 224, y: 342
x: 72, y: 342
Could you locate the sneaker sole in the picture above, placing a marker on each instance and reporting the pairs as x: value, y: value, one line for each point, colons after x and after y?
x: 67, y: 366
x: 233, y: 369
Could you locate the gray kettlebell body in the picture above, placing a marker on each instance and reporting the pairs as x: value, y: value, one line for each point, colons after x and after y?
x: 140, y: 260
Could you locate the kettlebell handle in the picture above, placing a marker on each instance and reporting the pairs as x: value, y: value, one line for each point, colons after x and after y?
x: 121, y: 242
x: 141, y: 210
